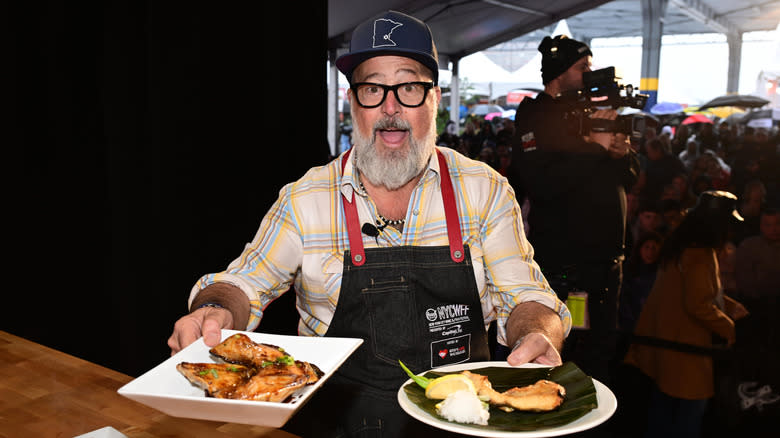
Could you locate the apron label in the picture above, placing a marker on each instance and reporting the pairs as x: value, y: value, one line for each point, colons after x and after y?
x: 451, y: 325
x: 450, y: 351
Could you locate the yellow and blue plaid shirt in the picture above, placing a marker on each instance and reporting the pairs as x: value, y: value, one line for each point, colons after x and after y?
x: 303, y: 237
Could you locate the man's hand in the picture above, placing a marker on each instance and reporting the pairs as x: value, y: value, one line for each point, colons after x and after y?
x: 605, y: 139
x: 616, y: 144
x: 537, y: 333
x: 206, y: 321
x: 535, y: 348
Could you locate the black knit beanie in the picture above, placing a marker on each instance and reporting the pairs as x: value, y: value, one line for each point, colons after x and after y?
x: 560, y: 53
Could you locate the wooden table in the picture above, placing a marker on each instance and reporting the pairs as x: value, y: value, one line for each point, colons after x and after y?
x: 47, y: 393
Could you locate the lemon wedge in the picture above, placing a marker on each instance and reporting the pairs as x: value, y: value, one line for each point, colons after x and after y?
x: 440, y: 387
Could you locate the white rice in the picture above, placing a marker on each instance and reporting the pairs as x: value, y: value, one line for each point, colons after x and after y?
x: 464, y: 407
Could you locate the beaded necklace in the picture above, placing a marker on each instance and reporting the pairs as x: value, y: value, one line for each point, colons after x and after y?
x: 387, y: 221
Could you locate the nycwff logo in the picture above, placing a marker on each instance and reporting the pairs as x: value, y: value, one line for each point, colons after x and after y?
x: 448, y: 311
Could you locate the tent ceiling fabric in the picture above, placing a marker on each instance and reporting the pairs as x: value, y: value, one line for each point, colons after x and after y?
x: 464, y: 27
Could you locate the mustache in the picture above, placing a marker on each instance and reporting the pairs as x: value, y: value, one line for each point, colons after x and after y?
x: 386, y: 123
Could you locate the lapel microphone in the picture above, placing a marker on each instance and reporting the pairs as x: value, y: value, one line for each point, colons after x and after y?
x: 370, y: 230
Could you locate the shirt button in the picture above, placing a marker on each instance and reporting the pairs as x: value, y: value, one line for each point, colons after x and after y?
x: 416, y: 212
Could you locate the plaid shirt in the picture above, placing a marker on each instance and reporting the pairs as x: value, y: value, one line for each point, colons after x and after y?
x: 303, y: 237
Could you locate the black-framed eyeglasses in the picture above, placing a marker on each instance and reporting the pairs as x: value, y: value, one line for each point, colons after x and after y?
x: 408, y: 94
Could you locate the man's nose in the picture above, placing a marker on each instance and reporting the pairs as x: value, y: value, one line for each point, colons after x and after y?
x: 391, y: 105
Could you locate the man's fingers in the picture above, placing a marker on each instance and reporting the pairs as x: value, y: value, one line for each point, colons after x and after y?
x: 212, y: 332
x: 535, y: 348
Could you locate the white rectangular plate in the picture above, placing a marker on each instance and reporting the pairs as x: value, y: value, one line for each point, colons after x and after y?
x: 165, y: 389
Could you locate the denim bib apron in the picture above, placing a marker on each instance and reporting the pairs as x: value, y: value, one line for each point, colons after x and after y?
x: 416, y: 304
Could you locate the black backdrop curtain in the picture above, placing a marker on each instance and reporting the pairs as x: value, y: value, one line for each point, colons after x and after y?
x: 152, y: 136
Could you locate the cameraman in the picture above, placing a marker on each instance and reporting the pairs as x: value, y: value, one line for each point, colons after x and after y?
x: 576, y: 186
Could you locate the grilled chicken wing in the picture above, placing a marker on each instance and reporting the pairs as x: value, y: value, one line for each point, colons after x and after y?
x: 218, y: 380
x: 254, y: 371
x: 242, y: 350
x: 273, y: 383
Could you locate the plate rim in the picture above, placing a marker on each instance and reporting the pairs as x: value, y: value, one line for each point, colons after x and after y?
x: 605, y: 397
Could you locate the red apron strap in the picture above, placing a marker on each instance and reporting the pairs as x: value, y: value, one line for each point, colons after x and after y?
x: 450, y: 211
x: 353, y: 223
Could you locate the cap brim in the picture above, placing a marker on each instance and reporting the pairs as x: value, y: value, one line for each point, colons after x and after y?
x: 348, y: 62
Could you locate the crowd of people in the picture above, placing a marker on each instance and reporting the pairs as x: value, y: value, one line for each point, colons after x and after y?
x: 677, y: 164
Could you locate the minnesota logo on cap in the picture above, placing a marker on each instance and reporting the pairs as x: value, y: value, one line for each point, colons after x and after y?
x: 385, y: 28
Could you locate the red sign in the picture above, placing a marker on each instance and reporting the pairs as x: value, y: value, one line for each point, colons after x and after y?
x: 517, y: 96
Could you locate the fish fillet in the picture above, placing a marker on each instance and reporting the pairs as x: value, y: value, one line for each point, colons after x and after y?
x: 543, y: 395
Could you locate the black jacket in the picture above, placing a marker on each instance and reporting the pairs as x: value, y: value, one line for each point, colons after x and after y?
x: 577, y: 192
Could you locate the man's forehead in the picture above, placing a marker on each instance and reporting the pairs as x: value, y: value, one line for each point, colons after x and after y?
x: 390, y: 66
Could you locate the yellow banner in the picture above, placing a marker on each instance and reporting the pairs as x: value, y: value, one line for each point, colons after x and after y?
x: 648, y: 84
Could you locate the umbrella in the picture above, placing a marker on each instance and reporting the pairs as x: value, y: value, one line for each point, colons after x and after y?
x: 484, y: 109
x: 764, y: 118
x: 663, y: 108
x: 740, y: 100
x: 725, y: 111
x: 696, y: 118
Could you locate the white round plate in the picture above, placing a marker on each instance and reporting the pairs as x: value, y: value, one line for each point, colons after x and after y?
x: 607, y: 404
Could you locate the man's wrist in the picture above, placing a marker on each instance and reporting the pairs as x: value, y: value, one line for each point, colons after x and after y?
x: 210, y: 304
x: 227, y: 296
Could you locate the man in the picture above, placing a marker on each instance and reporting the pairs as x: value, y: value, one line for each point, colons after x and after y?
x: 380, y: 245
x: 576, y: 186
x: 758, y: 259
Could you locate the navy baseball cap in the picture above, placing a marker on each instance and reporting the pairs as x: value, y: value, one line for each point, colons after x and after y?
x: 391, y: 33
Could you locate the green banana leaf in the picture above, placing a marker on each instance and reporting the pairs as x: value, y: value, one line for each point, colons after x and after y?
x: 580, y: 397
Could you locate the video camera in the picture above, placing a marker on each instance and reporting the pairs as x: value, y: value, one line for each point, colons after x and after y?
x: 602, y: 90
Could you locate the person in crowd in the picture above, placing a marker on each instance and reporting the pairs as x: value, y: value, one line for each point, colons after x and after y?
x: 672, y: 214
x: 648, y: 219
x: 449, y: 138
x: 707, y: 138
x: 758, y: 259
x: 680, y: 139
x: 487, y: 155
x: 691, y: 153
x: 638, y: 278
x: 719, y: 172
x: 727, y: 140
x: 504, y: 153
x: 701, y: 184
x: 667, y: 132
x: 661, y: 169
x: 686, y: 307
x: 470, y: 138
x: 751, y: 203
x: 363, y: 242
x: 576, y: 186
x: 757, y: 274
x: 687, y: 198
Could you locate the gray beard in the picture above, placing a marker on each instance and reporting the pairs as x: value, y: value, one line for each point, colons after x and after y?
x: 392, y: 169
